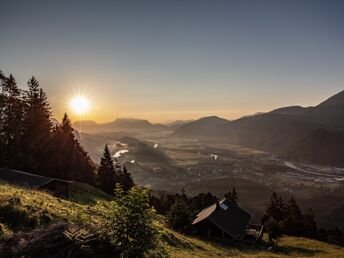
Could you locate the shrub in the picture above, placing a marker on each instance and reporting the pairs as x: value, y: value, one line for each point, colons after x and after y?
x: 179, y: 216
x: 132, y: 222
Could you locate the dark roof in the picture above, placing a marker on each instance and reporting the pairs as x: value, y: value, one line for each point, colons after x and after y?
x: 226, y: 216
x: 25, y: 179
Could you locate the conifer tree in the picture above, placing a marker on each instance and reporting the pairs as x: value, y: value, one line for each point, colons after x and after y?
x: 309, y: 228
x: 179, y: 216
x: 11, y: 123
x: 2, y: 117
x: 292, y: 223
x: 71, y: 161
x: 126, y: 180
x: 107, y: 173
x: 287, y: 218
x: 37, y: 129
x: 276, y: 208
x: 201, y: 201
x: 232, y: 196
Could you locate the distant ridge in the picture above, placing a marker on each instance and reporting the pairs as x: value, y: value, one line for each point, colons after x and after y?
x: 174, y: 125
x: 335, y: 100
x: 321, y: 146
x: 279, y: 129
x: 202, y: 126
x: 120, y: 124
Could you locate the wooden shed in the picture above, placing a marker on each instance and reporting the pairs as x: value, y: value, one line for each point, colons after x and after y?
x: 57, y: 187
x: 222, y: 219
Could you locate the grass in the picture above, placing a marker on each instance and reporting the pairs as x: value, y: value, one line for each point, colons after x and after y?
x: 80, y: 209
x: 83, y: 208
x: 182, y: 246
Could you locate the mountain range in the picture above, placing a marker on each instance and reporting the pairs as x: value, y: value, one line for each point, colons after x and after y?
x: 127, y: 124
x: 120, y: 124
x: 311, y: 134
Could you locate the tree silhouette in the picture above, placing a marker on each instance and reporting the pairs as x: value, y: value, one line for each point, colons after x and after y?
x: 126, y: 180
x: 232, y: 196
x: 179, y: 216
x: 276, y: 208
x: 107, y: 173
x: 2, y: 118
x: 27, y: 140
x: 11, y: 122
x: 309, y: 228
x: 292, y: 223
x: 70, y: 160
x: 37, y: 129
x: 287, y: 218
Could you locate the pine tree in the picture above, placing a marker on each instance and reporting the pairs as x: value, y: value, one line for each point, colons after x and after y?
x: 37, y: 129
x: 276, y: 208
x: 232, y: 196
x: 201, y: 201
x: 274, y: 217
x: 309, y: 228
x: 107, y: 173
x: 292, y: 223
x: 2, y: 118
x: 11, y: 123
x: 179, y: 216
x: 123, y: 177
x: 71, y: 161
x: 126, y: 180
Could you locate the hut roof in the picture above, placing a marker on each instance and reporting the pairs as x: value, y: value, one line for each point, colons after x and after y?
x: 226, y: 216
x: 25, y: 179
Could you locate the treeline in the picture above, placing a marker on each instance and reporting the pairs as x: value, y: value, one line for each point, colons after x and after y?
x: 280, y: 218
x: 180, y: 209
x: 31, y: 142
x: 286, y: 218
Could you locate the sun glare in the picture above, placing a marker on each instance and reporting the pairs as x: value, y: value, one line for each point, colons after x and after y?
x: 79, y: 105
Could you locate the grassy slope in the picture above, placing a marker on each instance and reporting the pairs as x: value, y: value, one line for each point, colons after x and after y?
x: 288, y: 246
x: 82, y: 208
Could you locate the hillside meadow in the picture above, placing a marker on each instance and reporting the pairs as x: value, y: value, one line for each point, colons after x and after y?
x: 86, y: 208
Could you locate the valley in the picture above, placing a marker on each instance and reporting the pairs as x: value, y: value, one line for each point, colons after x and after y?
x: 295, y: 151
x: 168, y: 164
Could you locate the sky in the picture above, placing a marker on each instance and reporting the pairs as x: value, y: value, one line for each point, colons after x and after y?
x: 165, y: 60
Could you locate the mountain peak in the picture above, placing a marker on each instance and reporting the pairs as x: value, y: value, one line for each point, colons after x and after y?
x: 212, y: 118
x: 335, y: 100
x: 200, y: 126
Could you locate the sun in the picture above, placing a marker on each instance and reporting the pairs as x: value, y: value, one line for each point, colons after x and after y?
x: 79, y: 105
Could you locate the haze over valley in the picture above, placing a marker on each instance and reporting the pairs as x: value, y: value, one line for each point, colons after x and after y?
x: 294, y: 149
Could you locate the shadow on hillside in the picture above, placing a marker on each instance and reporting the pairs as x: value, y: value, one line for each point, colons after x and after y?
x: 282, y: 250
x: 87, y: 195
x: 173, y: 241
x: 292, y: 250
x: 253, y: 249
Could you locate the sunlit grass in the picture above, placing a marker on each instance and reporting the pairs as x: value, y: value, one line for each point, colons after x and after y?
x: 89, y: 206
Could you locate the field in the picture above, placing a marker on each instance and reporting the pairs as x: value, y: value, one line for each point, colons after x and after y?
x: 83, y: 209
